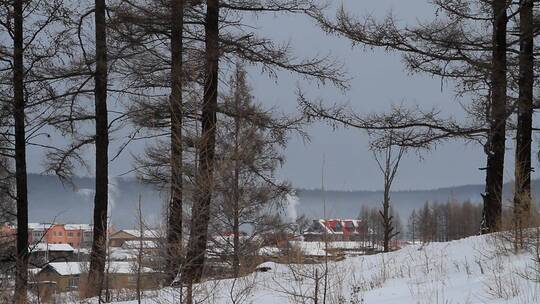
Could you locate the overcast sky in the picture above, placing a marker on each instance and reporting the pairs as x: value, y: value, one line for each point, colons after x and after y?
x: 378, y: 80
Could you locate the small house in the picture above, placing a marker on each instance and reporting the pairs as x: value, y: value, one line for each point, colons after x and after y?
x: 42, y: 253
x: 118, y: 238
x: 69, y: 275
x: 335, y: 230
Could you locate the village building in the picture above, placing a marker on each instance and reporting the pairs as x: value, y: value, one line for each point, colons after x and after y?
x: 68, y: 276
x: 130, y: 251
x: 75, y: 235
x: 335, y: 230
x: 146, y: 245
x: 79, y: 235
x: 118, y: 238
x: 43, y: 253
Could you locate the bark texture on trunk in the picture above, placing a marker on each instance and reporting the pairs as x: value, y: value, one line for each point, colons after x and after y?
x: 496, y: 145
x: 21, y: 279
x: 174, y: 233
x: 522, y: 195
x: 99, y: 243
x: 236, y: 182
x: 195, y: 257
x: 387, y: 220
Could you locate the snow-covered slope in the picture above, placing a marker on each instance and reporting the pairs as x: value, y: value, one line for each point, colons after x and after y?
x: 478, y: 269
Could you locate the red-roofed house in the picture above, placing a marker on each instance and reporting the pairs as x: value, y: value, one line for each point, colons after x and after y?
x: 335, y: 230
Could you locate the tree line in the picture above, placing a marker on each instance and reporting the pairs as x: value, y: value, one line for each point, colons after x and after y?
x: 443, y: 222
x: 434, y: 222
x: 374, y: 229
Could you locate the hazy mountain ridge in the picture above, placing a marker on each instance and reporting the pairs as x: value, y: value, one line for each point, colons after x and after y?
x: 348, y: 203
x: 51, y: 200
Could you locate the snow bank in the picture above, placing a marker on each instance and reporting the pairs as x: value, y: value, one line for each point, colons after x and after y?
x: 319, y: 248
x: 472, y: 270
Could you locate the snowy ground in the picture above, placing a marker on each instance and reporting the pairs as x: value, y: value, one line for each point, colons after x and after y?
x: 319, y: 248
x: 472, y: 270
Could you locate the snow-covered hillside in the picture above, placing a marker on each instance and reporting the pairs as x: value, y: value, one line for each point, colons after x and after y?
x: 474, y: 270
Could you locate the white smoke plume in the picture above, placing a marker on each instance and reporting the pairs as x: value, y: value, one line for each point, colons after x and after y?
x: 292, y: 203
x: 113, y: 195
x: 86, y: 193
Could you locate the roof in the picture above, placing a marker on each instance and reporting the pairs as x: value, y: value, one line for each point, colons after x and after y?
x: 149, y: 233
x: 65, y: 268
x: 45, y: 226
x: 335, y: 226
x: 78, y: 227
x: 135, y: 244
x: 51, y: 247
x: 269, y: 251
x: 121, y: 254
x: 40, y: 226
x: 76, y: 268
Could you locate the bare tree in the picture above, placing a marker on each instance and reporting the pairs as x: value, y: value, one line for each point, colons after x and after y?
x: 388, y: 160
x: 427, y: 224
x: 412, y: 226
x: 442, y: 222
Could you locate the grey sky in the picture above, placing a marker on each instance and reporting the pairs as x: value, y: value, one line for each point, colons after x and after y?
x: 377, y: 81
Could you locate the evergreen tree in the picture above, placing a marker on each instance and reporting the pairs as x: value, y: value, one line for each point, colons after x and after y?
x: 248, y: 195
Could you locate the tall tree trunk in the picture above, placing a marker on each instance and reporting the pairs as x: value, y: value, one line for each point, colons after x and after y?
x: 21, y: 280
x: 174, y: 234
x: 201, y: 208
x: 413, y: 229
x: 497, y: 137
x: 522, y: 195
x: 236, y: 236
x: 387, y: 222
x: 140, y: 253
x: 98, y: 255
x: 236, y: 182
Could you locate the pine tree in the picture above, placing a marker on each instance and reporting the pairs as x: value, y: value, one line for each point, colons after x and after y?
x: 248, y: 194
